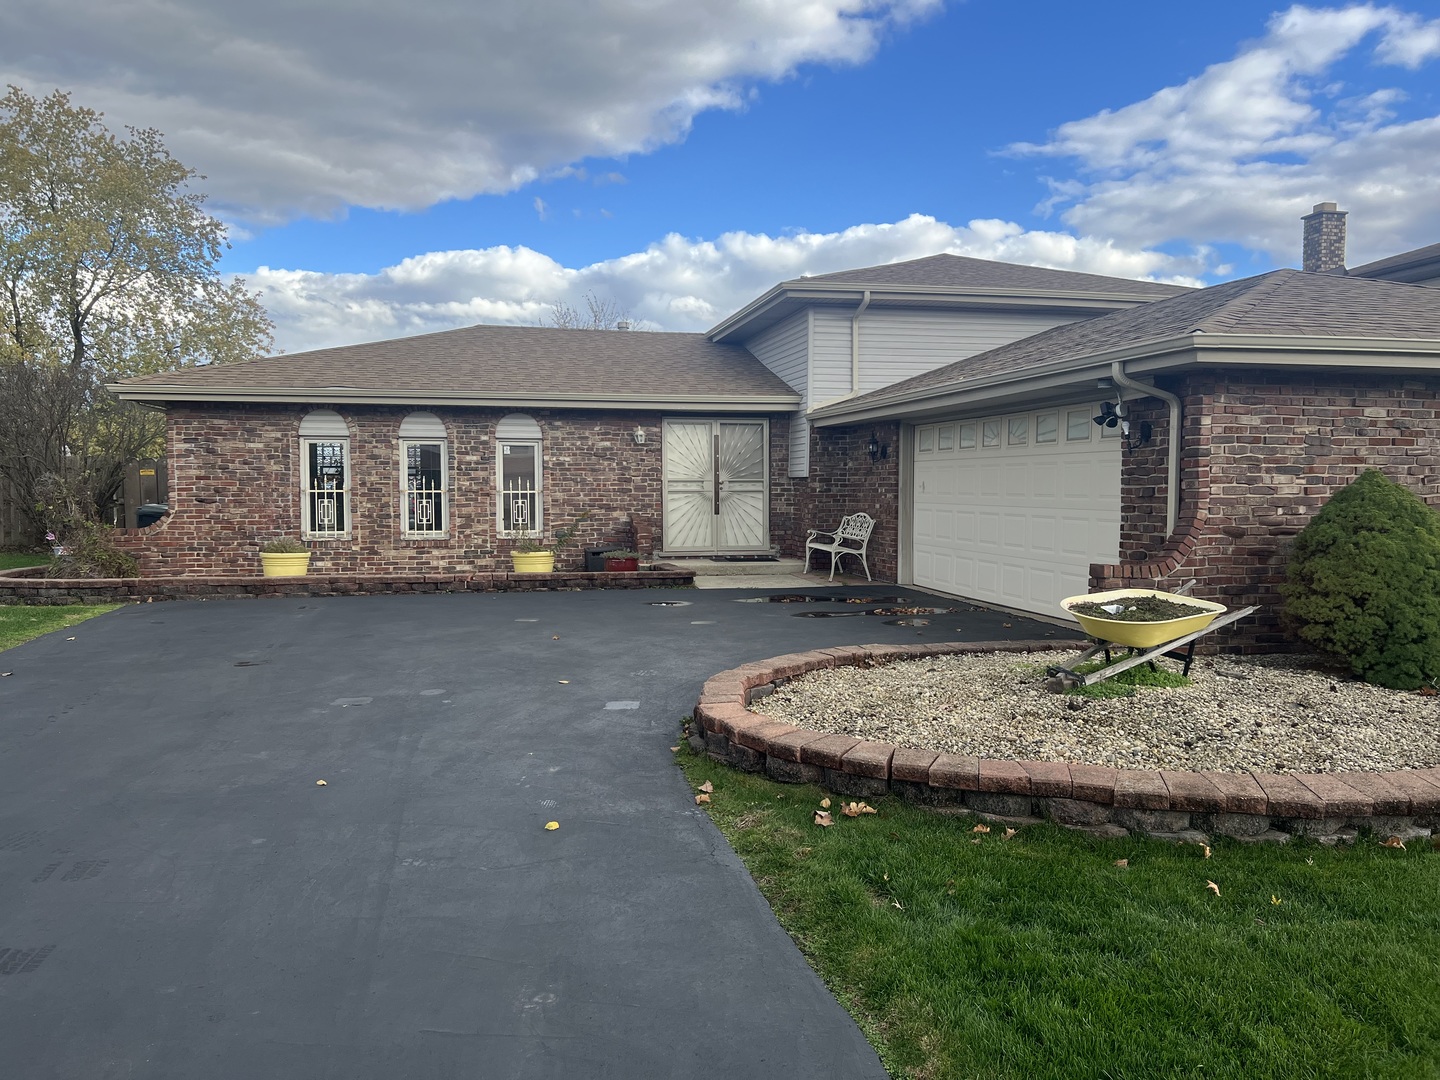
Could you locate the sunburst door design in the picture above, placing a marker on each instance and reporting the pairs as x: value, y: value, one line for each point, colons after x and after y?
x: 716, y: 497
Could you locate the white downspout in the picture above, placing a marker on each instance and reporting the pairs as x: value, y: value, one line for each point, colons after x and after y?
x: 1172, y: 464
x: 855, y: 345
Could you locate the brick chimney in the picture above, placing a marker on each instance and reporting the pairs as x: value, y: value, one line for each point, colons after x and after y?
x: 1324, y: 248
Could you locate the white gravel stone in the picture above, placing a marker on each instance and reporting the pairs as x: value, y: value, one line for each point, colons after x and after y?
x: 1275, y: 714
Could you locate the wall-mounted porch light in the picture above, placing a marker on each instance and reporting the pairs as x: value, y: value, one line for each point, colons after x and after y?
x: 876, y: 448
x: 639, y: 436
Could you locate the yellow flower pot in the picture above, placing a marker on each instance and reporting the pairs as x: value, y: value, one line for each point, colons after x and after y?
x: 285, y: 564
x: 533, y: 562
x: 1141, y: 635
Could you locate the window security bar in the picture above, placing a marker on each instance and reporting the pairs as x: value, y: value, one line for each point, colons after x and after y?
x: 425, y: 508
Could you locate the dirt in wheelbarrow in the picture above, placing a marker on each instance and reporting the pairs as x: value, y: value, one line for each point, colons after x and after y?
x: 1139, y: 609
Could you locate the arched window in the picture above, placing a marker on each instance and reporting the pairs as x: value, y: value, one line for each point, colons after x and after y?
x: 519, y: 504
x: 423, y: 475
x: 325, y: 474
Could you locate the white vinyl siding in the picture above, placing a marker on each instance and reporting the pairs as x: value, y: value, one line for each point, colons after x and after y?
x: 785, y: 349
x: 899, y: 344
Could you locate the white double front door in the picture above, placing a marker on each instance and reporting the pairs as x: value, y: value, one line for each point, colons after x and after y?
x: 716, y: 486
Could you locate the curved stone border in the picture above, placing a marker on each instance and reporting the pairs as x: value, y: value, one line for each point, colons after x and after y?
x: 1172, y: 804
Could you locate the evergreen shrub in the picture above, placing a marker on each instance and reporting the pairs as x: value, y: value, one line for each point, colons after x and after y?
x: 1363, y: 583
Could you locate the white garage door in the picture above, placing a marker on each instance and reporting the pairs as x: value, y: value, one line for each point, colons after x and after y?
x: 1013, y: 509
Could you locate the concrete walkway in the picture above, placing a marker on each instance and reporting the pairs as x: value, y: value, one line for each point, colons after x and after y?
x: 178, y: 898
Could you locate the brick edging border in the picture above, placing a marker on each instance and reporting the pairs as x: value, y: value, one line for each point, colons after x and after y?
x: 42, y: 591
x: 1166, y: 803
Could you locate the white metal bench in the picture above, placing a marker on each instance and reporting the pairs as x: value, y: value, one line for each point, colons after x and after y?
x: 851, y: 538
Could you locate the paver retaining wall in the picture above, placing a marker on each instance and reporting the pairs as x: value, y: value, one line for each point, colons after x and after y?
x: 1173, y: 804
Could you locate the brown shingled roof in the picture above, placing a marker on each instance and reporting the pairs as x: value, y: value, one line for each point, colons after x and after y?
x: 961, y: 272
x: 496, y: 361
x: 1282, y: 303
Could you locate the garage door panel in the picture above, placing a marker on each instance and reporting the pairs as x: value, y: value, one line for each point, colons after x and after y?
x: 987, y: 530
x: 1012, y: 583
x: 1016, y: 532
x: 1017, y: 525
x: 1043, y: 534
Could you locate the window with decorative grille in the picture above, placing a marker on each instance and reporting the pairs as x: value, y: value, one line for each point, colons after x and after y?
x: 327, y: 487
x: 424, y: 488
x: 519, y: 510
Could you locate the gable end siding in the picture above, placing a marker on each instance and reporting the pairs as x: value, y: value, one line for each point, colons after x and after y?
x: 785, y: 349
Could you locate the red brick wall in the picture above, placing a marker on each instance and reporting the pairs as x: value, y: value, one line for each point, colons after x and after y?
x: 1262, y: 452
x: 843, y: 480
x: 235, y: 483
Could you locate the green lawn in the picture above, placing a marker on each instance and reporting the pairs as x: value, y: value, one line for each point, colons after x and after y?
x: 19, y: 624
x: 1038, y: 956
x: 10, y: 560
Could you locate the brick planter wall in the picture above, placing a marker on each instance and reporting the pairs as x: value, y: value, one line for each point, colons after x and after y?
x: 1261, y: 453
x: 1173, y: 804
x: 235, y: 482
x: 41, y: 591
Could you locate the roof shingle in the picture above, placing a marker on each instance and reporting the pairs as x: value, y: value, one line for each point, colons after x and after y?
x: 509, y: 361
x: 962, y: 272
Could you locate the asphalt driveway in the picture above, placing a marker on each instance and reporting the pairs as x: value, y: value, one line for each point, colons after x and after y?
x: 178, y: 898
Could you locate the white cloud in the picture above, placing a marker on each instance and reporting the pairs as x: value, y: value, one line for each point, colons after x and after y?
x: 1239, y: 152
x: 305, y: 109
x: 674, y: 284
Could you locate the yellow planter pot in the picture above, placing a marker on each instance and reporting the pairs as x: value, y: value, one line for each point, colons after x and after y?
x: 533, y: 562
x: 284, y: 563
x: 1141, y: 635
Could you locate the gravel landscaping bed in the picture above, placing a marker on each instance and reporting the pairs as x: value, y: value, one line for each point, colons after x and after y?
x: 1266, y: 713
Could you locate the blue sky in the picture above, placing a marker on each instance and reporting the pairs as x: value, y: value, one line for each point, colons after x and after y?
x: 449, y: 163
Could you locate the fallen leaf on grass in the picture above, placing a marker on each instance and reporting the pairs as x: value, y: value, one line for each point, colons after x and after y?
x: 1393, y: 842
x: 981, y: 829
x: 1008, y: 833
x: 707, y: 787
x: 701, y: 799
x: 1122, y: 862
x: 674, y: 749
x: 825, y: 804
x: 855, y: 809
x: 1212, y: 886
x: 822, y: 817
x: 1206, y: 849
x: 1276, y: 900
x: 551, y: 826
x: 975, y: 841
x: 320, y: 783
x: 1309, y: 862
x: 897, y: 904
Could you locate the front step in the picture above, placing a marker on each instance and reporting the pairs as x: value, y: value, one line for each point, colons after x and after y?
x: 726, y: 568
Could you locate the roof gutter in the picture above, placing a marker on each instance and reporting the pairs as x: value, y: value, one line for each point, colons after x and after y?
x: 162, y: 394
x: 1172, y: 455
x: 855, y: 344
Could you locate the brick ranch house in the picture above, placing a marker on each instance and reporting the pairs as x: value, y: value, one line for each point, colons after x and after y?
x: 435, y: 453
x: 951, y: 398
